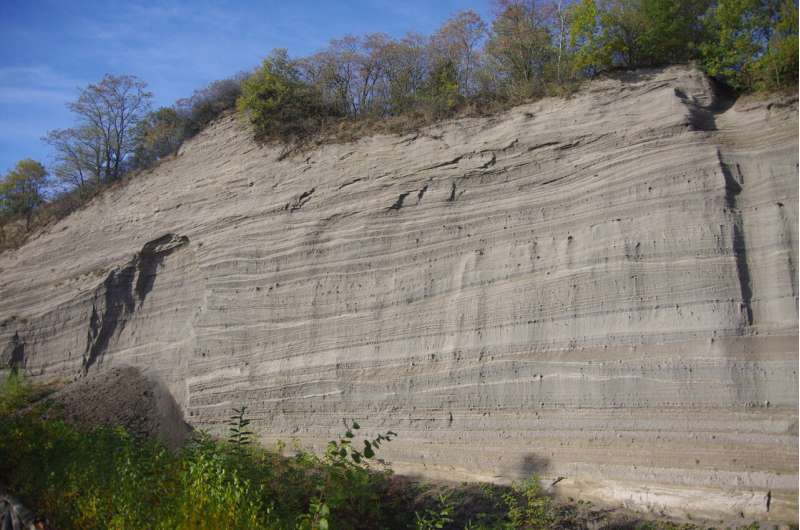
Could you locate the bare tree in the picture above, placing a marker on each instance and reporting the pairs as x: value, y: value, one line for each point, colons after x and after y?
x: 350, y: 73
x: 333, y: 71
x: 404, y: 72
x: 521, y: 44
x: 371, y: 65
x: 78, y: 158
x: 561, y: 17
x: 207, y: 103
x: 458, y: 41
x: 107, y: 114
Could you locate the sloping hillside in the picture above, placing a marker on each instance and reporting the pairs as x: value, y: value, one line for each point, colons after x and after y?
x: 602, y: 289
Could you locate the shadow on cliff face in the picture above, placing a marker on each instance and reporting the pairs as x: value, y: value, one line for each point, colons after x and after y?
x: 124, y: 396
x: 13, y: 355
x: 123, y: 291
x: 533, y: 464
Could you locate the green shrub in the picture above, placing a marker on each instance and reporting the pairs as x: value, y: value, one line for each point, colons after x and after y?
x: 527, y: 506
x: 277, y: 104
x: 104, y: 478
x: 435, y: 518
x: 14, y: 392
x: 440, y: 95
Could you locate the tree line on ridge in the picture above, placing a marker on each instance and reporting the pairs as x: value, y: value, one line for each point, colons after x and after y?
x: 529, y: 49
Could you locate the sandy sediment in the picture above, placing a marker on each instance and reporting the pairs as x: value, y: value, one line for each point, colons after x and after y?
x: 601, y: 288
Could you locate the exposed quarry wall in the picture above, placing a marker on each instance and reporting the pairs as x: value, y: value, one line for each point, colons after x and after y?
x: 602, y: 289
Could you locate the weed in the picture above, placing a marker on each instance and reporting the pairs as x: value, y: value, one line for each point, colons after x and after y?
x: 438, y: 518
x: 105, y: 478
x: 527, y: 506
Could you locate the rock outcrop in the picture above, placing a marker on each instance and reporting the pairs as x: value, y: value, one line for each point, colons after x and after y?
x: 601, y: 288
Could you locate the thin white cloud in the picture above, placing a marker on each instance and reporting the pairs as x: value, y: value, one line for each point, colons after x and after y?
x: 22, y: 128
x: 35, y: 85
x: 23, y: 96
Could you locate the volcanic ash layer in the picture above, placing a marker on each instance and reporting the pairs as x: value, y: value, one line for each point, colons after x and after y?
x: 601, y: 288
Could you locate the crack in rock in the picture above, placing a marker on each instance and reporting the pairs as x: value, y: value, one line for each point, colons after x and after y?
x: 421, y: 193
x: 350, y: 183
x: 399, y: 203
x: 452, y: 196
x: 301, y: 200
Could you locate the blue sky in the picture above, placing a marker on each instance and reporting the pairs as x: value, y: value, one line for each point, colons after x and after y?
x: 49, y: 49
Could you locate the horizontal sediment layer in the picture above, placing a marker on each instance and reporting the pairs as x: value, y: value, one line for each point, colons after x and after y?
x: 601, y: 288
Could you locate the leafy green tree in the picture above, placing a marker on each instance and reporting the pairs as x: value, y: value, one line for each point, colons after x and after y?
x: 753, y: 43
x: 778, y: 67
x: 608, y: 33
x: 441, y: 93
x: 673, y: 30
x: 277, y: 103
x: 592, y: 53
x: 22, y: 190
x: 636, y: 33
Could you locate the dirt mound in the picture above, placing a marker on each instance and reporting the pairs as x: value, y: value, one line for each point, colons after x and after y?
x: 124, y: 396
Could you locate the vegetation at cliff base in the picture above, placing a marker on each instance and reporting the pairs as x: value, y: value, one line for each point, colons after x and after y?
x: 88, y: 477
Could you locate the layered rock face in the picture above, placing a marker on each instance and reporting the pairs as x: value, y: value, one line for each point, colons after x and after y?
x: 601, y: 289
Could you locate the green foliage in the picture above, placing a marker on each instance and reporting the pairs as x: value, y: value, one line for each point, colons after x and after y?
x: 14, y: 392
x: 440, y: 94
x: 527, y: 506
x: 317, y: 517
x: 277, y: 104
x: 22, y: 190
x: 104, y: 478
x: 636, y: 33
x: 593, y: 53
x: 436, y: 518
x: 778, y: 67
x: 213, y: 494
x: 347, y: 486
x: 752, y: 43
x: 672, y: 30
x: 338, y: 452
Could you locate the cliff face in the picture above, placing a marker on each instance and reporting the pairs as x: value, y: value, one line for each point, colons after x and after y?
x: 602, y: 289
